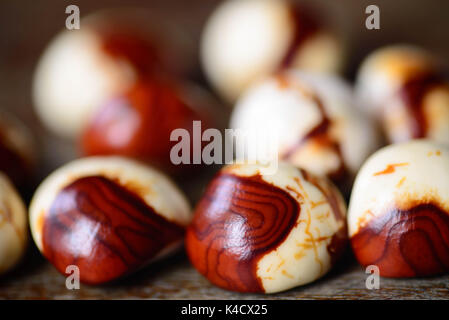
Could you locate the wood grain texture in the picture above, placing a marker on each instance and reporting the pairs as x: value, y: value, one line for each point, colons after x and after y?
x: 406, y: 243
x: 175, y: 278
x: 104, y: 229
x: 237, y: 222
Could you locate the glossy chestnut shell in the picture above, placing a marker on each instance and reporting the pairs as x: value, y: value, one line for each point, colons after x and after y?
x: 138, y: 124
x: 107, y: 216
x: 398, y: 215
x: 258, y: 233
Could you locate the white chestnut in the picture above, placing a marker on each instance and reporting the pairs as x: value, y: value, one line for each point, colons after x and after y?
x: 109, y: 216
x: 314, y: 120
x: 403, y: 87
x: 13, y: 225
x: 81, y: 68
x: 255, y: 231
x: 398, y: 216
x: 245, y: 40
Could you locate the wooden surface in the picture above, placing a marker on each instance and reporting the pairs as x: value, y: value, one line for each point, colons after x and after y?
x: 175, y: 278
x: 25, y: 29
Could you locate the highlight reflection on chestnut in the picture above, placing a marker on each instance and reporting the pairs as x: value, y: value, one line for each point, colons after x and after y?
x: 398, y: 216
x: 109, y: 216
x: 258, y: 232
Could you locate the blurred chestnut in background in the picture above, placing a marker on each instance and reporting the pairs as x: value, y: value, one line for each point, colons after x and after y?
x: 245, y: 40
x: 255, y: 231
x: 314, y: 120
x: 398, y: 216
x: 404, y: 88
x: 109, y: 216
x: 18, y: 152
x: 110, y: 52
x: 13, y: 225
x: 139, y: 123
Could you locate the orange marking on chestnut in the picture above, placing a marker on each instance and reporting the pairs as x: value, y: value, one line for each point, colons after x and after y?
x: 391, y: 168
x: 405, y: 242
x: 239, y: 220
x: 104, y: 229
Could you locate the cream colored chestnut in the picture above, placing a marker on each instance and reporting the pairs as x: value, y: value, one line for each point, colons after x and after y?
x: 81, y: 68
x: 108, y: 215
x: 259, y: 231
x: 386, y: 70
x: 403, y: 88
x: 13, y: 225
x: 398, y: 216
x: 245, y: 40
x: 314, y: 120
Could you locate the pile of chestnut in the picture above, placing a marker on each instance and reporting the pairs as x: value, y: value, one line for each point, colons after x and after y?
x: 115, y: 89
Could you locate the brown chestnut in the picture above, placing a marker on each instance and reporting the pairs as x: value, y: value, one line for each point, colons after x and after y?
x: 398, y: 218
x: 109, y: 216
x: 255, y: 231
x: 17, y: 151
x: 404, y: 88
x: 13, y: 225
x: 245, y: 40
x: 112, y: 50
x: 139, y: 123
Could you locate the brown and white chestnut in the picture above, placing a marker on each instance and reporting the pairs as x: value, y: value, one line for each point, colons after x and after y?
x: 402, y: 86
x: 112, y: 49
x: 255, y: 231
x: 245, y: 40
x: 13, y: 225
x: 139, y: 122
x: 17, y: 151
x: 109, y: 216
x: 314, y: 120
x: 398, y: 216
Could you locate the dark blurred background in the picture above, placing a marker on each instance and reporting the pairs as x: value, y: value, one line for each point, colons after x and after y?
x: 26, y: 27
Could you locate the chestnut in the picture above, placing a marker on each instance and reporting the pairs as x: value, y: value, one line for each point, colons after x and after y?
x: 17, y: 151
x: 398, y: 217
x: 112, y: 49
x: 255, y: 231
x: 245, y: 40
x: 314, y: 120
x: 139, y: 122
x: 109, y: 216
x: 403, y: 87
x: 13, y: 225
